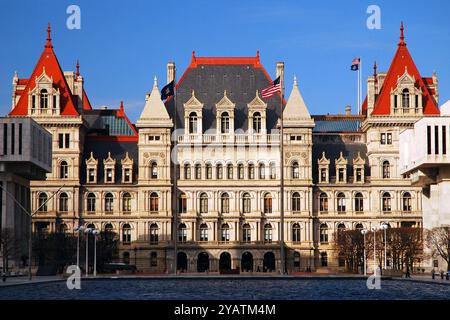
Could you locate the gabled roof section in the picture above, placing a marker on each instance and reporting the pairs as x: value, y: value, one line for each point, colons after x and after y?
x: 402, y: 60
x: 49, y: 62
x: 86, y: 102
x: 296, y: 111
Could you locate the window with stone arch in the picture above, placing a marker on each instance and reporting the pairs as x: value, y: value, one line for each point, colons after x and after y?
x: 296, y: 232
x: 323, y: 231
x: 323, y: 202
x: 295, y: 170
x: 126, y: 202
x: 406, y: 202
x: 63, y: 202
x: 154, y: 233
x: 359, y: 202
x: 203, y: 203
x: 153, y: 170
x: 386, y: 202
x: 187, y: 171
x: 267, y: 233
x: 296, y: 202
x: 225, y: 123
x: 246, y: 203
x: 340, y: 199
x: 204, y: 232
x: 63, y: 170
x: 109, y: 202
x: 154, y: 202
x: 246, y: 233
x: 267, y: 203
x: 405, y: 99
x: 44, y: 98
x: 91, y: 201
x: 257, y: 121
x: 193, y: 123
x: 386, y: 169
x: 42, y: 202
x: 225, y: 203
x: 225, y: 232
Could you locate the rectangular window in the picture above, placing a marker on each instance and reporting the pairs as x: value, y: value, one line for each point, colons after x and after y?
x: 61, y: 140
x: 383, y: 138
x: 20, y: 138
x: 323, y: 175
x: 109, y: 175
x: 436, y: 140
x: 127, y: 175
x: 429, y: 139
x: 444, y: 140
x: 91, y: 175
x: 13, y: 137
x: 358, y: 175
x: 67, y: 141
x: 5, y: 139
x: 389, y: 138
x: 341, y: 175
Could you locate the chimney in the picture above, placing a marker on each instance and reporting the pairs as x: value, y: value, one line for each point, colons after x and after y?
x: 348, y: 110
x: 280, y: 73
x: 170, y: 71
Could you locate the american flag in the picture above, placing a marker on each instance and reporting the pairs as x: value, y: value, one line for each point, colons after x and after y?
x: 272, y: 89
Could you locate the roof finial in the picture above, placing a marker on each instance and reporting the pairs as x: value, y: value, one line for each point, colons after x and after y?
x: 295, y: 80
x: 155, y: 82
x: 193, y: 55
x: 375, y: 77
x: 402, y: 35
x: 48, y: 44
x: 77, y: 73
x: 121, y: 105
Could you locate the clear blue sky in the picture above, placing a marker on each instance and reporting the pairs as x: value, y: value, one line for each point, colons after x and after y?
x: 123, y: 44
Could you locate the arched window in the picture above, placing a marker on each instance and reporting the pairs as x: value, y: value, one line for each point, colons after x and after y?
x: 323, y: 233
x: 182, y: 233
x: 405, y: 98
x: 63, y: 202
x: 182, y: 205
x: 42, y: 202
x: 268, y: 233
x: 187, y: 171
x: 406, y: 201
x: 229, y: 171
x: 193, y: 125
x: 154, y: 233
x: 126, y: 202
x: 63, y: 170
x: 257, y: 122
x: 219, y: 172
x: 386, y: 170
x: 262, y: 171
x: 386, y: 202
x: 341, y: 227
x: 62, y: 228
x: 296, y: 232
x: 359, y: 227
x: 154, y: 202
x: 108, y: 228
x: 323, y: 202
x: 340, y: 202
x: 295, y: 170
x: 154, y: 170
x: 240, y: 171
x: 225, y: 123
x: 208, y: 171
x: 225, y: 203
x: 267, y: 203
x: 203, y: 232
x: 251, y: 171
x: 359, y: 202
x: 225, y: 233
x: 126, y: 234
x: 273, y: 171
x: 203, y: 203
x: 296, y: 202
x: 91, y: 199
x: 198, y: 171
x: 44, y: 99
x: 246, y: 233
x: 246, y: 203
x: 109, y: 202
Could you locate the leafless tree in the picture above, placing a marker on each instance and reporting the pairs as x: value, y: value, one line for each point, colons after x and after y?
x: 438, y: 240
x: 8, y: 246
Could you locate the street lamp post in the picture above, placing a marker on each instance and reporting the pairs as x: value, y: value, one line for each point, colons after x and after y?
x: 95, y: 233
x: 374, y: 249
x: 87, y: 231
x: 364, y: 232
x: 30, y: 215
x: 78, y: 230
x: 385, y: 226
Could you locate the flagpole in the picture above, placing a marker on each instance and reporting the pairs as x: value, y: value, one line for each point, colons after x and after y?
x: 282, y: 249
x: 357, y: 84
x: 175, y: 176
x: 360, y: 87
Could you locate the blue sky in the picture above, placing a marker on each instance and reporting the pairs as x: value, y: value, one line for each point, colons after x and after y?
x: 122, y: 45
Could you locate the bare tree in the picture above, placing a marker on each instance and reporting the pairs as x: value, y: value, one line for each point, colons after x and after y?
x: 8, y: 246
x: 438, y: 240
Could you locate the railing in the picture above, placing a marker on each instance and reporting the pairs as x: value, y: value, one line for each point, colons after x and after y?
x: 235, y: 138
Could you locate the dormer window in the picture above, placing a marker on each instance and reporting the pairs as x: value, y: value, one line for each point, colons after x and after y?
x: 193, y: 123
x: 341, y: 169
x: 324, y: 165
x: 127, y: 169
x: 257, y: 122
x: 405, y: 99
x: 109, y: 164
x: 225, y: 123
x: 91, y: 167
x: 44, y: 99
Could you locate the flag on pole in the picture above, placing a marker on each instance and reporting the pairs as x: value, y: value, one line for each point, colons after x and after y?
x: 274, y: 87
x: 167, y: 91
x: 355, y: 64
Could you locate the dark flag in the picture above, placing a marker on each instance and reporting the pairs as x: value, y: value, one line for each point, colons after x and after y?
x: 167, y: 91
x: 355, y: 64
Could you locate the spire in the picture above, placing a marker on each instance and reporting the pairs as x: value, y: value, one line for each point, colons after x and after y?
x: 155, y: 113
x: 402, y: 35
x: 296, y: 113
x: 375, y: 72
x: 48, y: 44
x: 77, y: 73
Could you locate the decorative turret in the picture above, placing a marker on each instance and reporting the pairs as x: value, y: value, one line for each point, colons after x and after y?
x: 296, y: 113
